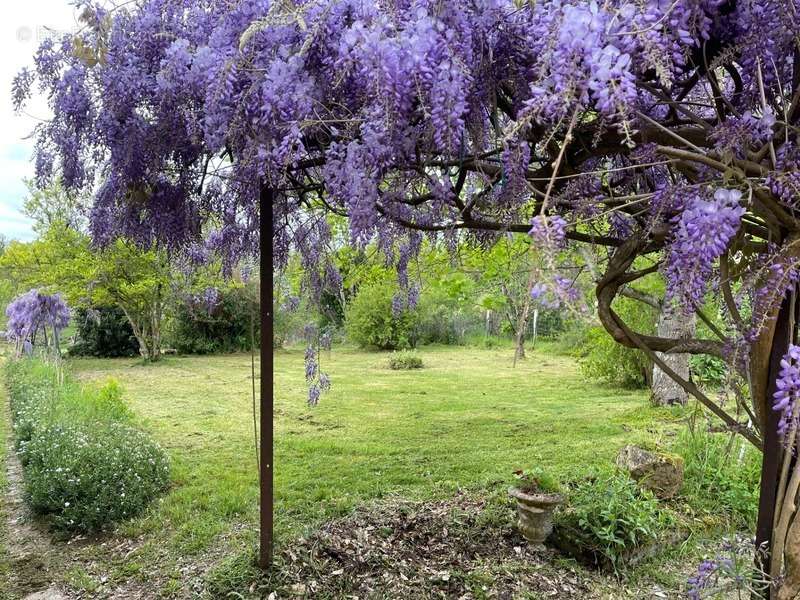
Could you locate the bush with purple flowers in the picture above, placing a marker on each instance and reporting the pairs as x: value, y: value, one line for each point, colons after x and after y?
x: 36, y: 319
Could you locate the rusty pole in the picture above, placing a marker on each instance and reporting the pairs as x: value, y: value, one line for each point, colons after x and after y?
x: 266, y: 197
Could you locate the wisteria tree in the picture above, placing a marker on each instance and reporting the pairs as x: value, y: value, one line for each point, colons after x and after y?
x: 36, y: 319
x: 662, y: 134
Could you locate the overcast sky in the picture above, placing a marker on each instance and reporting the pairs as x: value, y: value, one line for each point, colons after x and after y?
x: 23, y: 26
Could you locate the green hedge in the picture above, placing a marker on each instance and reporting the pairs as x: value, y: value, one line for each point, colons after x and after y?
x: 85, y: 464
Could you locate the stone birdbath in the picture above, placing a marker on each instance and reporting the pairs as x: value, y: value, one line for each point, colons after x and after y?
x: 536, y: 498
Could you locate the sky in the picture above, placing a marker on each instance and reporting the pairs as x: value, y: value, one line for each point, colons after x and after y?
x: 23, y: 26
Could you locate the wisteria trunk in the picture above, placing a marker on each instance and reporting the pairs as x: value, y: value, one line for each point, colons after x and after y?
x: 776, y: 550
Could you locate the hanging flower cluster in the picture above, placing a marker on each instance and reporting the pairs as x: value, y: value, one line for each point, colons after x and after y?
x: 788, y: 390
x: 36, y: 318
x: 702, y: 233
x: 318, y: 381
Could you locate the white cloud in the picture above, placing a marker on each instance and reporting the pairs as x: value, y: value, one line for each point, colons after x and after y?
x: 23, y: 27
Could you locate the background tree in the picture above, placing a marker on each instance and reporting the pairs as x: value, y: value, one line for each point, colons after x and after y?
x: 121, y: 274
x: 6, y: 288
x: 53, y: 205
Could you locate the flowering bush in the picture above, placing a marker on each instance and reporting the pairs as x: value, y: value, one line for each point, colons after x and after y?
x: 29, y: 390
x: 88, y: 477
x: 85, y: 465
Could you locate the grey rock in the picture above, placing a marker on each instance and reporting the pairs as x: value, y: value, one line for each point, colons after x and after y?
x: 660, y: 473
x: 48, y: 594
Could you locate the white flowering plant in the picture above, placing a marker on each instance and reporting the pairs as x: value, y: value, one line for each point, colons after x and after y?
x: 85, y: 464
x: 86, y: 478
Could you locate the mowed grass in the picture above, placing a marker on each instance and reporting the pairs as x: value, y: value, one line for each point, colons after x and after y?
x: 467, y: 420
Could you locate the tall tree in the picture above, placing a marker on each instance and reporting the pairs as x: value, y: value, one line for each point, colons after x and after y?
x: 136, y: 280
x: 52, y: 205
x: 664, y: 132
x: 665, y: 390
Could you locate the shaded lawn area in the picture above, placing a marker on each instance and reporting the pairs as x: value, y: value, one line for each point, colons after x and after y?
x: 468, y: 419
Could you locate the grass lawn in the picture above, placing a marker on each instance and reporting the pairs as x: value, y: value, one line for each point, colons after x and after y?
x: 467, y: 420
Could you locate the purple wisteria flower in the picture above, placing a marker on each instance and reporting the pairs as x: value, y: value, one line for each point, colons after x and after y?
x: 702, y: 233
x: 701, y: 579
x: 33, y: 312
x: 558, y: 292
x: 549, y: 231
x: 788, y: 390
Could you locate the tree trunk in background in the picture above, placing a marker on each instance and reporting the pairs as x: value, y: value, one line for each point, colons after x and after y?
x: 664, y: 390
x: 519, y: 352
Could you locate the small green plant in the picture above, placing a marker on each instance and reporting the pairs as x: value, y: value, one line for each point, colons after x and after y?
x: 536, y: 481
x: 609, y: 515
x: 109, y: 399
x: 721, y: 475
x: 491, y: 342
x: 710, y: 371
x: 405, y: 360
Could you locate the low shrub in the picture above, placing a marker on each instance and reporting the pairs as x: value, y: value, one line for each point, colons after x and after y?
x: 610, y: 516
x: 603, y: 359
x: 30, y: 392
x: 721, y: 475
x: 708, y: 370
x: 572, y: 341
x: 84, y: 463
x: 405, y: 360
x: 86, y: 478
x: 489, y: 342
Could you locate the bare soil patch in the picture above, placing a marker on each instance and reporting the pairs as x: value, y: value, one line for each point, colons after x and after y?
x: 464, y: 547
x: 28, y: 544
